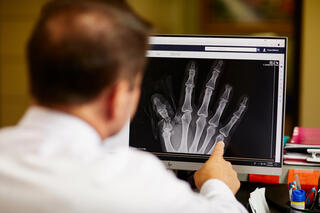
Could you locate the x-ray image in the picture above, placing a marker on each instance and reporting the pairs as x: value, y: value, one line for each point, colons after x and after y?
x: 188, y: 104
x: 191, y: 129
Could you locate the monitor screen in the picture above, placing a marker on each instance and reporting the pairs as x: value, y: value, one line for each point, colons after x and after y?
x: 198, y: 90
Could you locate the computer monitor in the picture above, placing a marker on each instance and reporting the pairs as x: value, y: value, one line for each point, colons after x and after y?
x: 198, y: 90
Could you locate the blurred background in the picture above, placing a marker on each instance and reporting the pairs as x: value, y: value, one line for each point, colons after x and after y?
x: 299, y: 20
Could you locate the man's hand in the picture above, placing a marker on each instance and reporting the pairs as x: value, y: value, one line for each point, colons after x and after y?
x: 217, y: 168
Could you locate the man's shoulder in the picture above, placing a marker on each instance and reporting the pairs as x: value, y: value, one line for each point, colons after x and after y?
x: 15, y: 138
x: 7, y: 130
x: 17, y: 131
x: 142, y: 155
x: 117, y: 180
x: 9, y: 133
x: 142, y: 160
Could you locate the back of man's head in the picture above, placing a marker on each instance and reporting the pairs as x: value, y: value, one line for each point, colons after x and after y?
x: 80, y: 47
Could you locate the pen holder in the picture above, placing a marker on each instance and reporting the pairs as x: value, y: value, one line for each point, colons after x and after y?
x: 297, y: 203
x: 295, y: 210
x: 292, y: 209
x: 298, y: 198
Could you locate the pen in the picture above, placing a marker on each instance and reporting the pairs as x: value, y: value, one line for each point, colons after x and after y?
x: 290, y: 191
x: 316, y: 199
x: 298, y: 181
x: 294, y: 183
x: 310, y: 197
x: 292, y: 187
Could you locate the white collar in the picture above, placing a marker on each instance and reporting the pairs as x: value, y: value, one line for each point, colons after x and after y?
x: 61, y: 132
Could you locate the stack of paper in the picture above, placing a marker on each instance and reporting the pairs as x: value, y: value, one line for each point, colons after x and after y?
x: 296, y: 158
x: 258, y: 201
x: 303, y: 143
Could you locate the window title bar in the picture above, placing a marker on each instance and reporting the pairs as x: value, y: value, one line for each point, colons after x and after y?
x: 218, y: 41
x: 201, y: 48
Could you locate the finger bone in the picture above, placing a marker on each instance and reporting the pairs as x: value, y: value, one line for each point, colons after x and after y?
x: 167, y: 141
x: 212, y: 81
x: 218, y: 65
x: 167, y: 127
x: 222, y: 104
x: 186, y: 107
x: 192, y: 72
x: 243, y: 106
x: 203, y: 111
x: 236, y: 116
x: 200, y: 124
x: 218, y: 138
x: 226, y: 129
x: 215, y: 74
x: 161, y: 108
x: 211, y: 130
x: 186, y: 120
x: 226, y: 93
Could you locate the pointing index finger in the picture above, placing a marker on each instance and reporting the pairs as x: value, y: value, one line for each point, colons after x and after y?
x: 218, y: 151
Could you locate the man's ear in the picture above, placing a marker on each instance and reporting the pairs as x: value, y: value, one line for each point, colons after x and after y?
x: 136, y: 90
x: 121, y: 102
x: 117, y: 102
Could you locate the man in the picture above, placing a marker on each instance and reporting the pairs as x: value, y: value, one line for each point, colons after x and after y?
x: 86, y: 60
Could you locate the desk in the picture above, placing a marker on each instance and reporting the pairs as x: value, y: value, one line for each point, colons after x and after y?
x: 276, y: 194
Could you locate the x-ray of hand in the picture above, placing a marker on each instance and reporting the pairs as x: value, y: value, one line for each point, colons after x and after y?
x: 191, y: 129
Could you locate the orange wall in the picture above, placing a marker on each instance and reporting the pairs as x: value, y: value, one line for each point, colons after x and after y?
x: 310, y: 76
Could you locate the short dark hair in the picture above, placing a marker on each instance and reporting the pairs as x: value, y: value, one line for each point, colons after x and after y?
x: 80, y: 47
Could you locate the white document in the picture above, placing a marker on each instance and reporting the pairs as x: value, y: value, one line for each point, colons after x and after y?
x: 258, y: 201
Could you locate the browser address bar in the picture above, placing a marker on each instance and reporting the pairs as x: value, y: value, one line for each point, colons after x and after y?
x: 231, y: 49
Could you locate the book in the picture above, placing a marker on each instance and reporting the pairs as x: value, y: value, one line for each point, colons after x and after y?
x: 308, y: 158
x: 299, y: 163
x: 306, y: 136
x: 296, y: 156
x: 303, y: 148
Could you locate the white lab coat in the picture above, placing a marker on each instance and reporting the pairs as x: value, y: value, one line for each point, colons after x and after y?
x: 54, y: 162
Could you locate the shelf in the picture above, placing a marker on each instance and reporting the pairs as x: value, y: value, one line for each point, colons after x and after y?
x: 285, y: 169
